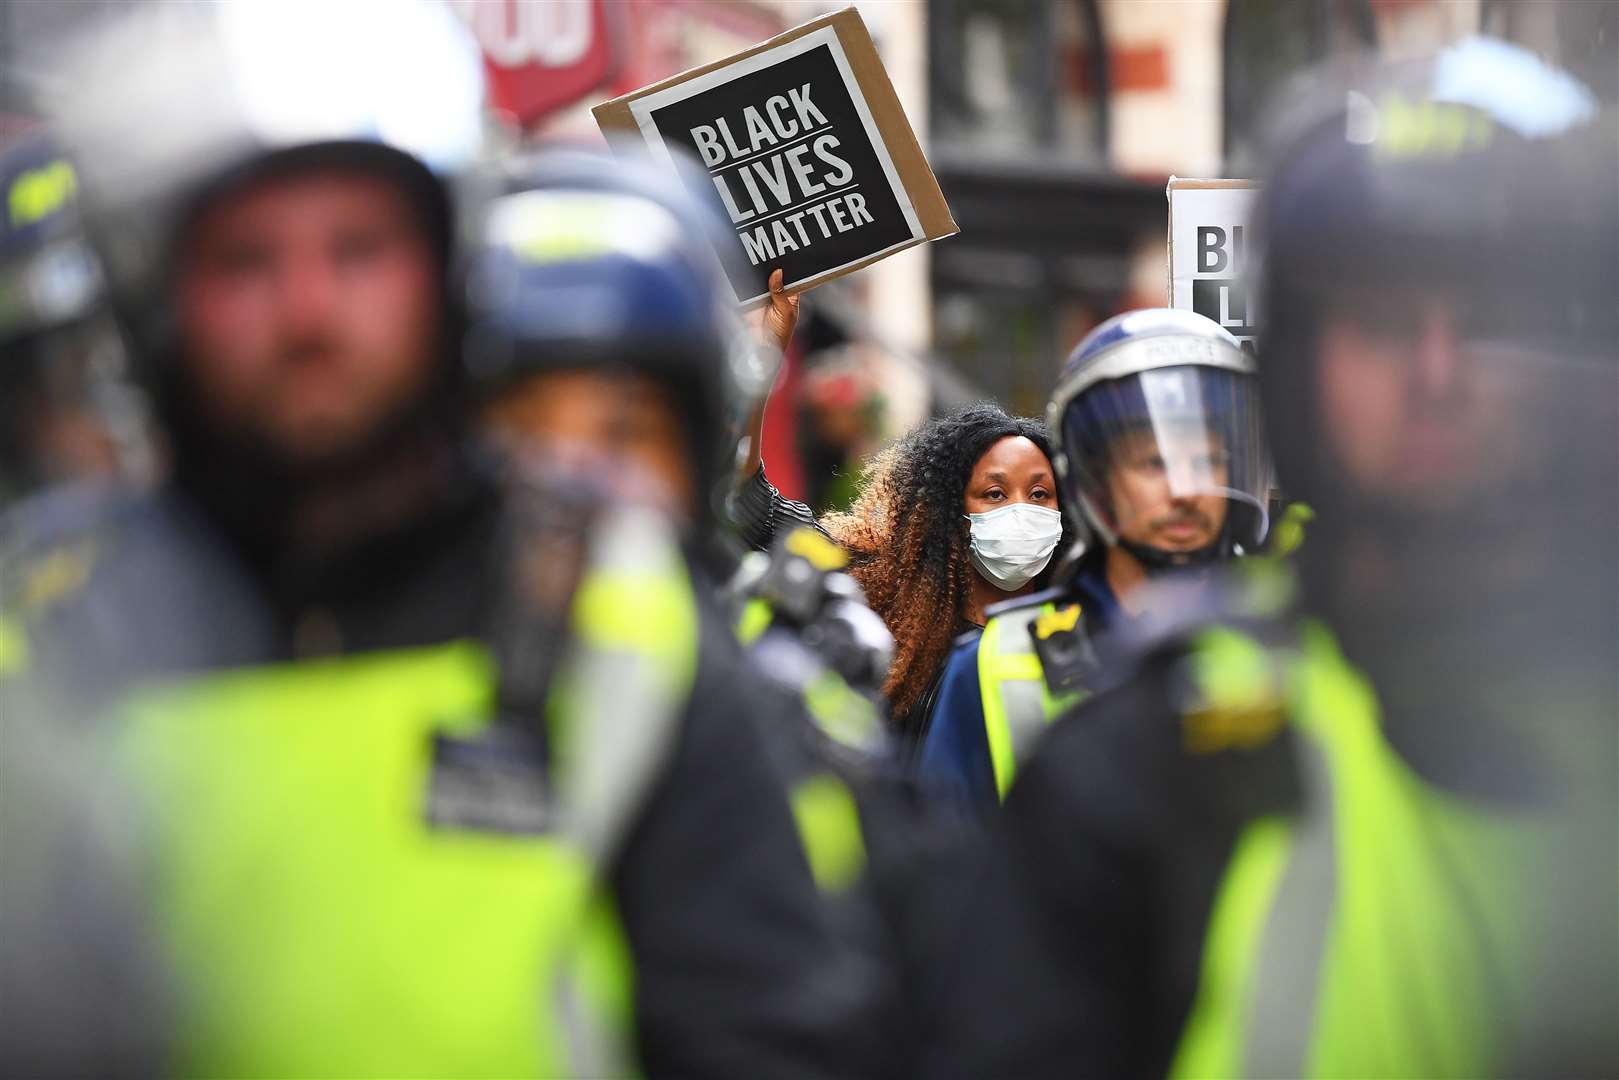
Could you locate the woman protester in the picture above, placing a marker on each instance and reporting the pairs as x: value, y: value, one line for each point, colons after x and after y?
x: 960, y: 514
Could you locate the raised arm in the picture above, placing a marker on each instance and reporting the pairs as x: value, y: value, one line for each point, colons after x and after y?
x: 756, y: 509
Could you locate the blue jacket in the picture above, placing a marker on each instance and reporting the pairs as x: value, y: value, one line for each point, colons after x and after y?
x: 955, y: 762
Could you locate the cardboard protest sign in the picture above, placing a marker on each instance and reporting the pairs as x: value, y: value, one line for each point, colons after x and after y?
x: 1208, y: 220
x: 805, y: 143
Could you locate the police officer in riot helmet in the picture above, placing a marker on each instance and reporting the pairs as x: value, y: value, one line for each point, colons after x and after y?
x: 1159, y: 430
x: 1444, y: 254
x: 282, y: 275
x: 609, y: 346
x: 424, y: 712
x: 1381, y: 839
x: 1160, y: 451
x: 606, y: 342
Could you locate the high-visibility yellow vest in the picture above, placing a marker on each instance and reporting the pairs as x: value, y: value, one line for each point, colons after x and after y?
x: 353, y: 878
x: 1018, y: 705
x: 1386, y: 930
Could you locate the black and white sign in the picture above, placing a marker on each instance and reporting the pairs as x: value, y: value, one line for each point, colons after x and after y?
x: 1208, y: 252
x: 790, y: 146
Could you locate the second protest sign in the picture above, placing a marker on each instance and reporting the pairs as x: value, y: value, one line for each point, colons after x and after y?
x: 1208, y: 252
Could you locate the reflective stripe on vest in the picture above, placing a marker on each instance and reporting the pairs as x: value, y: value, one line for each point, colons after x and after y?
x: 1369, y: 937
x: 13, y: 648
x: 829, y: 828
x: 824, y: 810
x: 1017, y: 706
x: 755, y: 620
x: 626, y: 680
x: 844, y: 715
x: 319, y: 924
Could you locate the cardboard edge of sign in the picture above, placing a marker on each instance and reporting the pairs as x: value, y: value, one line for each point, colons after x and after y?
x: 1188, y: 183
x: 1193, y: 183
x: 615, y: 121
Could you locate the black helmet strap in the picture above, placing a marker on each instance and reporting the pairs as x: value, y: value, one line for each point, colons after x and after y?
x: 1157, y: 560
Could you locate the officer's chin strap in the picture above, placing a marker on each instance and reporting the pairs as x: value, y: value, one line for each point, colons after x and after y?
x: 544, y: 540
x: 1157, y: 560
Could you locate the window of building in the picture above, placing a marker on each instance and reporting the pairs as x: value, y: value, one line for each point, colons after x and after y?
x: 1267, y: 43
x: 1014, y: 78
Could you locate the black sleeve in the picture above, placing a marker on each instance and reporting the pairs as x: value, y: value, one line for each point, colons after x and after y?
x: 1044, y: 982
x: 1081, y: 954
x: 737, y: 967
x: 758, y: 511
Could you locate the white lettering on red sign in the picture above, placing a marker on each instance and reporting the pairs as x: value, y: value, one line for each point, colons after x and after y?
x: 516, y: 33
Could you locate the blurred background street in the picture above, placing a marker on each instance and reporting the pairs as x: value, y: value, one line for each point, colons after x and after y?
x: 1052, y: 126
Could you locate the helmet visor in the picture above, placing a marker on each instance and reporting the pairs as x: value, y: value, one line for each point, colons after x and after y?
x: 1171, y: 458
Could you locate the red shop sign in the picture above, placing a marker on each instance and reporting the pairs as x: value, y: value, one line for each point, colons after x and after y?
x: 541, y: 55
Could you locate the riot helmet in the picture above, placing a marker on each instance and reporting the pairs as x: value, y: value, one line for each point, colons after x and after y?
x: 591, y: 263
x: 1441, y: 233
x: 1158, y: 440
x: 199, y: 130
x: 169, y: 105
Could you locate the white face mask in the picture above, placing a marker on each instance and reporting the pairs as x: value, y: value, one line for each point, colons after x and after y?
x: 1011, y: 544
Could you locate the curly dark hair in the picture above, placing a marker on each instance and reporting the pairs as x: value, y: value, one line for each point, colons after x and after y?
x: 908, y: 538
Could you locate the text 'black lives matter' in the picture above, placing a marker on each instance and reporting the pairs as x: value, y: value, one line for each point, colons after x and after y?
x: 791, y: 160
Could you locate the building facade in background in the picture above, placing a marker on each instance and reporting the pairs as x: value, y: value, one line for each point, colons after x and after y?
x: 1056, y: 124
x: 1053, y: 126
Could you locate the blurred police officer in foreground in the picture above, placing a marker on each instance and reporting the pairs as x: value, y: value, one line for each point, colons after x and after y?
x: 1381, y: 840
x: 612, y: 349
x: 394, y: 723
x: 1160, y: 452
x: 609, y: 347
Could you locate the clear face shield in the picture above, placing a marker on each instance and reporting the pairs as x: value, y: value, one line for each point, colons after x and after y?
x: 1171, y: 463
